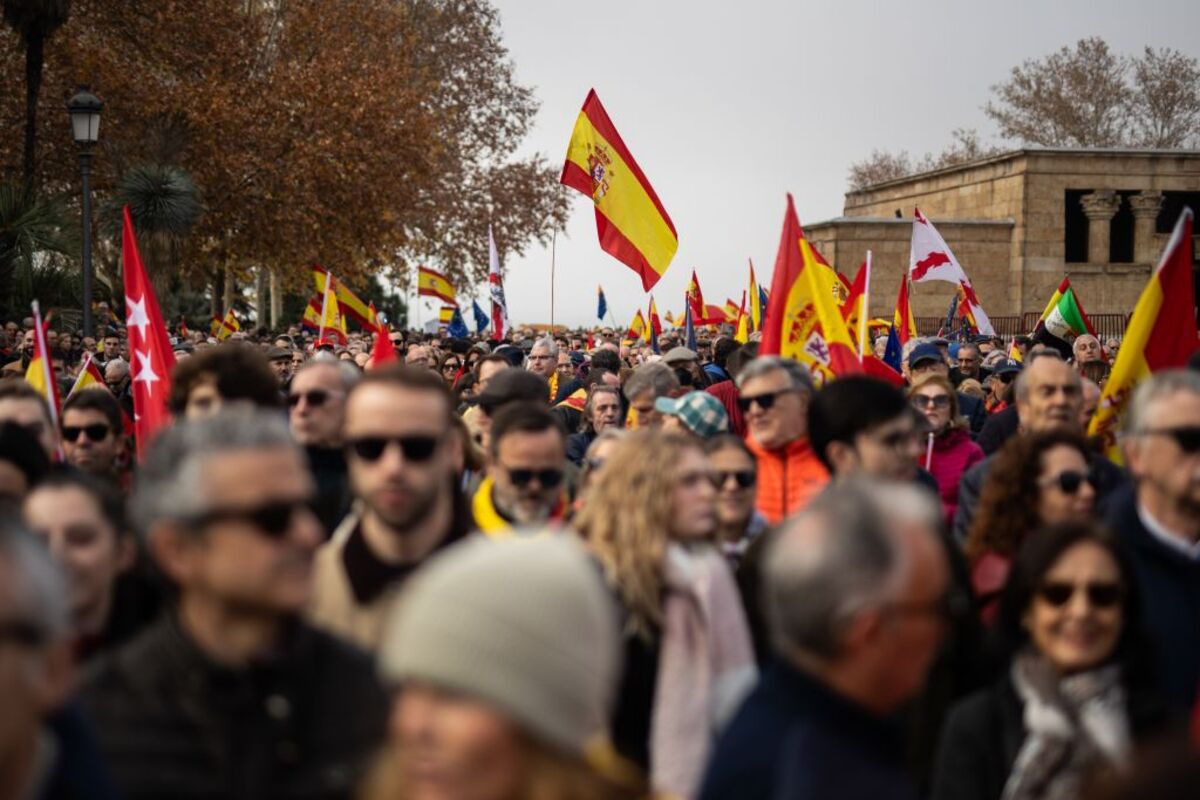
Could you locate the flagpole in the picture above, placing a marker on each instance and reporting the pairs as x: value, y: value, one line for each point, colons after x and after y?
x: 553, y: 242
x: 866, y: 312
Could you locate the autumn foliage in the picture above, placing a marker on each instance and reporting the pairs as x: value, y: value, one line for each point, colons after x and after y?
x: 359, y: 134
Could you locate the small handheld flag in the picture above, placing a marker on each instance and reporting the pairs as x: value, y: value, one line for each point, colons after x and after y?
x: 601, y: 303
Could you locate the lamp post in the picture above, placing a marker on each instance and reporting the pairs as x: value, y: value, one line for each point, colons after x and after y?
x: 84, y: 108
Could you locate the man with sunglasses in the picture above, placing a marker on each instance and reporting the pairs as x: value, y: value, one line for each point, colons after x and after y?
x: 316, y: 413
x: 525, y: 479
x: 231, y: 693
x: 774, y: 394
x: 92, y: 433
x: 400, y: 454
x: 1158, y: 521
x: 1048, y: 394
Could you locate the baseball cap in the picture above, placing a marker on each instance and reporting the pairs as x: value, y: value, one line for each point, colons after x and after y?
x: 924, y: 352
x: 700, y: 413
x: 1007, y: 367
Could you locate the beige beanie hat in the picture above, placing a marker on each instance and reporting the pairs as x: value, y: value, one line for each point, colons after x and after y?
x: 526, y: 625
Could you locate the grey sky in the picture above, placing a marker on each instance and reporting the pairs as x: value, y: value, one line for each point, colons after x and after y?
x: 727, y: 106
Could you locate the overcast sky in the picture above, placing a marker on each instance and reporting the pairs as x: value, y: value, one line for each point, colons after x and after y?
x: 728, y: 106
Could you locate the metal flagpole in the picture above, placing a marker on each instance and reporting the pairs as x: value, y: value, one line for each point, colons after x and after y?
x: 553, y: 242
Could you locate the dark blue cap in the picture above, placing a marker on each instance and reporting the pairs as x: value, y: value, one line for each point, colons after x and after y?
x: 924, y: 352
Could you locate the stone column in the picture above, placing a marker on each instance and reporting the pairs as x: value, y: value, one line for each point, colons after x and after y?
x: 1099, y: 207
x: 1145, y: 207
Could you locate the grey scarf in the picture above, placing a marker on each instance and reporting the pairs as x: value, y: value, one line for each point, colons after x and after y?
x: 1074, y: 725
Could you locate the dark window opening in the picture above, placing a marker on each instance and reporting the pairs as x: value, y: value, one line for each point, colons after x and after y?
x: 1120, y: 236
x: 1172, y: 207
x: 1075, y: 228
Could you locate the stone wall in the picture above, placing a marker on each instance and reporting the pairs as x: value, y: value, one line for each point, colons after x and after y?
x: 981, y: 247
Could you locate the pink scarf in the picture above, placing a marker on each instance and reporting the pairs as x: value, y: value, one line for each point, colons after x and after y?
x: 706, y: 667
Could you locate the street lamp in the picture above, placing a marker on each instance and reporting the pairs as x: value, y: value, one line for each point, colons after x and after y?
x: 84, y: 109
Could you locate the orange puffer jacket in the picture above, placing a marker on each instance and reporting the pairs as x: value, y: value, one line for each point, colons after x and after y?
x: 787, y: 478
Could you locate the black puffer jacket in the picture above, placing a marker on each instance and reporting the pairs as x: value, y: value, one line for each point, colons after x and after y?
x: 172, y: 724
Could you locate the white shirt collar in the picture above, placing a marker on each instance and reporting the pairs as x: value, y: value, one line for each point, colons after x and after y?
x: 1160, y: 532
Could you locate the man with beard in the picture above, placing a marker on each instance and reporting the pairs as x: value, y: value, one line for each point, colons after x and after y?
x: 524, y: 486
x: 400, y: 451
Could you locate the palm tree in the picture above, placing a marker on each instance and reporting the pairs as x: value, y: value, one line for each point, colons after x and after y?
x: 35, y: 231
x: 165, y: 206
x: 34, y: 21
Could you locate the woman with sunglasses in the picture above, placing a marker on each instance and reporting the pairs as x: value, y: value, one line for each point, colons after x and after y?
x: 1075, y: 696
x: 650, y: 519
x: 450, y: 368
x: 949, y: 451
x: 1035, y: 480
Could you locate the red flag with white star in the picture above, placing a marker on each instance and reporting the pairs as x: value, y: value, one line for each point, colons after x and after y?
x: 150, y: 355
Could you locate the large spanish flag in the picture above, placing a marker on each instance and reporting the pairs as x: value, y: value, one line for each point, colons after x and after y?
x: 1161, y: 333
x: 431, y: 283
x: 349, y: 304
x: 804, y: 320
x: 856, y: 307
x: 631, y: 222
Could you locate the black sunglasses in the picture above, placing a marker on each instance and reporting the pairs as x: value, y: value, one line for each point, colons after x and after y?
x: 1099, y: 595
x: 413, y: 448
x: 745, y: 478
x: 1069, y: 481
x: 1187, y: 437
x: 97, y: 433
x: 765, y: 400
x: 316, y: 398
x: 548, y: 478
x: 923, y: 401
x: 273, y: 518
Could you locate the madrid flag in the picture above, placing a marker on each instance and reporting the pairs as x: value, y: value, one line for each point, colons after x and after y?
x: 631, y: 222
x: 803, y: 319
x: 1161, y: 333
x: 931, y: 260
x: 149, y: 347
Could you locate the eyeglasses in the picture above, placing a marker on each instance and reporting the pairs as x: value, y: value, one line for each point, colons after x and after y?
x: 1099, y: 594
x: 315, y: 399
x: 1069, y: 481
x: 450, y: 367
x: 765, y: 400
x: 413, y: 448
x: 97, y: 433
x: 273, y: 518
x: 744, y: 478
x: 924, y: 401
x: 1187, y: 437
x: 548, y: 478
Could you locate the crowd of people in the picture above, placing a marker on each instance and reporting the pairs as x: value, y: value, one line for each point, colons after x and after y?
x: 568, y: 566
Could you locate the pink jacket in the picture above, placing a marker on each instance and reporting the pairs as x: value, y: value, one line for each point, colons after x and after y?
x: 953, y: 454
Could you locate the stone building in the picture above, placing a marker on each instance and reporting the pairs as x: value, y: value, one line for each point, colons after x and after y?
x: 1018, y: 222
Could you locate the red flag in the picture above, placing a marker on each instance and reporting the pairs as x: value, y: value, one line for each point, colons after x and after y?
x: 151, y: 359
x: 383, y: 352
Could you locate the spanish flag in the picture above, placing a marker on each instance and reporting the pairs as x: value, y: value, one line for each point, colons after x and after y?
x: 445, y: 314
x: 741, y: 333
x: 756, y: 304
x: 333, y: 325
x: 40, y: 373
x: 856, y: 309
x: 1161, y: 333
x: 312, y: 315
x: 906, y: 326
x: 89, y: 377
x: 214, y: 327
x: 349, y: 304
x: 804, y: 320
x: 229, y: 326
x: 695, y: 300
x: 431, y: 283
x: 638, y: 329
x: 631, y: 222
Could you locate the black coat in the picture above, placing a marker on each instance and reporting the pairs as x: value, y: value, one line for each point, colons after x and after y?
x: 984, y: 733
x: 795, y: 739
x: 1169, y: 584
x: 173, y: 724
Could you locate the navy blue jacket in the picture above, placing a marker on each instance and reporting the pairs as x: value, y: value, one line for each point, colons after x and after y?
x: 1170, y: 587
x: 794, y: 739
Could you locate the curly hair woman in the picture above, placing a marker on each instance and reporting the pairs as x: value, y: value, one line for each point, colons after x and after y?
x: 650, y: 520
x: 1035, y: 480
